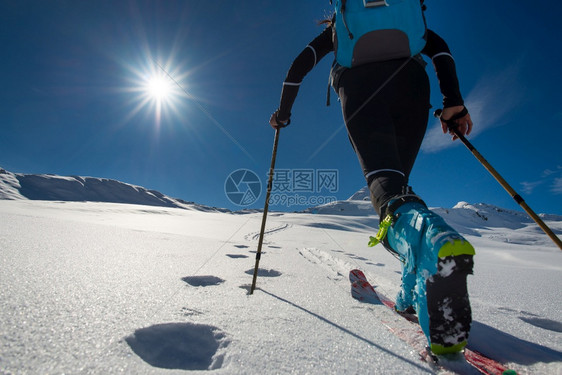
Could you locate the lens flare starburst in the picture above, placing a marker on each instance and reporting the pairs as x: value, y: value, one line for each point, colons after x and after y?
x: 158, y: 88
x: 156, y: 92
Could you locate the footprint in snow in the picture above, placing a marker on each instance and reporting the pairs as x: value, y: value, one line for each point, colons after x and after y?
x: 203, y: 280
x: 517, y: 311
x: 535, y: 320
x: 236, y: 256
x: 264, y: 273
x: 183, y: 346
x: 551, y: 325
x: 360, y: 258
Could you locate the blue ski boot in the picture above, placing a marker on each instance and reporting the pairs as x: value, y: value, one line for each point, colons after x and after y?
x: 440, y: 258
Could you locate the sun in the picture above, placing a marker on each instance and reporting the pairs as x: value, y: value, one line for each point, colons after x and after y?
x: 154, y: 91
x: 159, y: 88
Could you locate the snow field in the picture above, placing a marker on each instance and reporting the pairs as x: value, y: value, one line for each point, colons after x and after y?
x: 108, y: 288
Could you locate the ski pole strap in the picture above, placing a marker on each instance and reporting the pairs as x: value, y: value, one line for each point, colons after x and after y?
x: 282, y: 124
x: 381, y: 234
x: 451, y: 122
x: 398, y: 201
x: 389, y: 209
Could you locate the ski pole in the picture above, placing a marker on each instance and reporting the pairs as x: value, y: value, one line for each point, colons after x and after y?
x: 453, y: 126
x: 265, y: 209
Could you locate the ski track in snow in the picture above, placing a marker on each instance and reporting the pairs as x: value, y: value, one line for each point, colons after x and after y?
x: 337, y: 268
x: 254, y: 236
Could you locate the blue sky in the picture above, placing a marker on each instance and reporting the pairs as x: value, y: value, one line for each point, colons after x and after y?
x: 73, y: 103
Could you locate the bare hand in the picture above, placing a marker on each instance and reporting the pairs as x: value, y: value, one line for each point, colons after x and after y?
x: 276, y: 123
x: 462, y: 124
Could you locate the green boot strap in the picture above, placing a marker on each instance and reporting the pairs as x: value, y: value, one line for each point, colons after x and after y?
x: 381, y: 234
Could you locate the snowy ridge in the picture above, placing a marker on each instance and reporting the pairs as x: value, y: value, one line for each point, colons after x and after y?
x: 362, y: 194
x: 499, y: 224
x: 49, y: 187
x: 481, y: 220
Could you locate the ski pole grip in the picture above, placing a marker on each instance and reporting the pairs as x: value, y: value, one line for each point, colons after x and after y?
x: 437, y: 114
x: 451, y: 122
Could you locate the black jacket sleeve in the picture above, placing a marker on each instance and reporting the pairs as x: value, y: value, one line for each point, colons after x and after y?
x: 436, y: 49
x: 301, y: 66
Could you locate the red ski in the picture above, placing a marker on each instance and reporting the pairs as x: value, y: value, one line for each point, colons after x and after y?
x: 411, y: 333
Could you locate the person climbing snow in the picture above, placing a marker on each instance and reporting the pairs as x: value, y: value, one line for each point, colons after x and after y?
x: 379, y: 76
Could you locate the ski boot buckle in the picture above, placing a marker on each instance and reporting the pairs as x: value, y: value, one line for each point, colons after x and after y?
x: 381, y: 234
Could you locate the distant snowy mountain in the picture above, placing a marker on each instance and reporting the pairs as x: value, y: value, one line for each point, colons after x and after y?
x: 47, y: 187
x: 360, y: 203
x: 473, y: 219
x: 481, y: 220
x: 362, y: 195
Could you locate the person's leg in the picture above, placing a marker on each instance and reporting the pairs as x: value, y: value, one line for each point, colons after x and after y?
x: 387, y: 132
x: 410, y: 112
x: 386, y: 135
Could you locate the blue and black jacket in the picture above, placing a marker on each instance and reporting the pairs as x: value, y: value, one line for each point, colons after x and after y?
x: 436, y: 49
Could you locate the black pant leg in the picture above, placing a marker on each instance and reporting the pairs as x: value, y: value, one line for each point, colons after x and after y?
x: 387, y: 132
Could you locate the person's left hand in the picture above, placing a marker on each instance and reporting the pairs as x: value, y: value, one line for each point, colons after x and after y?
x: 463, y: 124
x: 276, y: 123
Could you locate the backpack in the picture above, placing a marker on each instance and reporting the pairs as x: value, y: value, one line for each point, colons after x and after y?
x: 377, y: 30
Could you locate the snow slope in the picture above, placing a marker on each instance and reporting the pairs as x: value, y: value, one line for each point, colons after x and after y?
x: 104, y: 288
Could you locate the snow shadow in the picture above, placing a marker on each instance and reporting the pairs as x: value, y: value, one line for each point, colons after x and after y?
x: 236, y: 256
x: 328, y: 226
x: 264, y: 273
x: 202, y: 280
x: 551, y: 325
x: 183, y: 346
x: 507, y: 348
x: 246, y: 287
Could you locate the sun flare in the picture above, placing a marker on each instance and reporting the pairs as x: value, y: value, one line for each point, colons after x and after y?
x: 158, y: 88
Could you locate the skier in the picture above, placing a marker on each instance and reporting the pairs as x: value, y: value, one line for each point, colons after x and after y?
x: 385, y: 105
